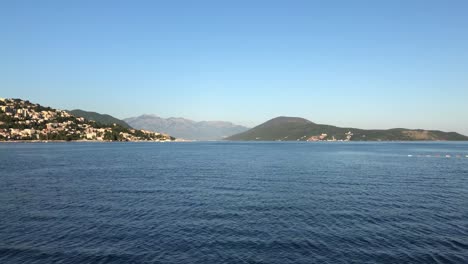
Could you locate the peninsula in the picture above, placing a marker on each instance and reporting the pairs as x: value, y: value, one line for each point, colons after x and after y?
x: 285, y: 128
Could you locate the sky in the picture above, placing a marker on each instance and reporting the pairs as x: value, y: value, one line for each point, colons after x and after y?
x: 366, y: 64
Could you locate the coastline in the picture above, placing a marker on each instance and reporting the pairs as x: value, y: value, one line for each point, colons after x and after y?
x: 230, y: 141
x: 81, y: 141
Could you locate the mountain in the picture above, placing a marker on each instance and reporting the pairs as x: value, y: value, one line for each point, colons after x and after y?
x: 99, y: 118
x: 23, y: 120
x: 185, y: 128
x: 300, y: 129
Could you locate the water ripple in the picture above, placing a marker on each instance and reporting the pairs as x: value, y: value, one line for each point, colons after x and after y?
x: 233, y: 203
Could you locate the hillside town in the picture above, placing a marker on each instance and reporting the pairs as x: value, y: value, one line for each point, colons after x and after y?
x: 23, y: 120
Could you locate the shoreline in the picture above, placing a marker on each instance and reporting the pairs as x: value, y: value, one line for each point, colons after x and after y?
x: 227, y: 141
x: 80, y: 141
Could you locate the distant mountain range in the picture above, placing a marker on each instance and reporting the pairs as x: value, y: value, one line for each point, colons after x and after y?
x: 100, y: 118
x: 300, y: 129
x: 185, y: 128
x: 277, y: 129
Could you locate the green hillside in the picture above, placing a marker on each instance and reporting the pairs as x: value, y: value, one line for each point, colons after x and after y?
x: 299, y: 129
x: 100, y: 118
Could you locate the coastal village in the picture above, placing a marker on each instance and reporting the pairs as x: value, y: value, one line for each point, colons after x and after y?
x: 23, y: 120
x: 324, y: 137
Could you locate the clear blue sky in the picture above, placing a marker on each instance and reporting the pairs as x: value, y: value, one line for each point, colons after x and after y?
x: 368, y: 64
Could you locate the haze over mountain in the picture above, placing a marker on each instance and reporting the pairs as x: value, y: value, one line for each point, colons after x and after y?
x: 186, y: 128
x: 299, y: 129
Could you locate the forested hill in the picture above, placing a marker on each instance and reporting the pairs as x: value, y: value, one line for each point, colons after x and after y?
x: 100, y: 118
x: 300, y: 129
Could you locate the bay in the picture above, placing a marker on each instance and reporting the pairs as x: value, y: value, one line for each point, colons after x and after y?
x: 234, y: 202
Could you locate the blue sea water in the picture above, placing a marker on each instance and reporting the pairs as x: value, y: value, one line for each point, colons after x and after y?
x: 225, y: 202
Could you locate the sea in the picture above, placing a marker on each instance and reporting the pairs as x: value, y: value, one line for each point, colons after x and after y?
x: 234, y: 202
